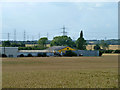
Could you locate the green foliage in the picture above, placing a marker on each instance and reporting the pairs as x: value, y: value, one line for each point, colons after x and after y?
x: 9, y: 44
x: 21, y: 55
x: 104, y: 45
x: 81, y: 42
x: 108, y: 51
x: 81, y: 34
x: 4, y: 55
x: 43, y: 41
x: 117, y: 51
x: 17, y: 45
x: 32, y: 48
x: 6, y: 44
x: 70, y: 53
x: 100, y: 53
x: 29, y: 55
x: 97, y: 47
x: 62, y: 41
x: 41, y: 55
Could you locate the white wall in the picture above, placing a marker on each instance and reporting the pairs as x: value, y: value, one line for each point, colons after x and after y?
x: 87, y: 52
x: 9, y: 51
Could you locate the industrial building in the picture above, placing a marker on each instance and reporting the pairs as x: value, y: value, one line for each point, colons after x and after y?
x: 9, y: 51
x: 14, y: 52
x: 35, y: 52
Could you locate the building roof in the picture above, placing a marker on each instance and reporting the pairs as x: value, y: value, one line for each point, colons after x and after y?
x: 33, y: 51
x: 56, y: 47
x: 9, y: 47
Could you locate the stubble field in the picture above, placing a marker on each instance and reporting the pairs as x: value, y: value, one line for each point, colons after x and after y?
x: 60, y: 72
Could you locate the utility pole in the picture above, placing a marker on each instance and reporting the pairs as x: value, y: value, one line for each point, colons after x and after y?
x: 28, y: 37
x: 105, y: 38
x: 15, y: 35
x: 24, y: 35
x: 39, y: 36
x: 32, y: 38
x: 8, y: 36
x: 47, y: 34
x: 64, y: 32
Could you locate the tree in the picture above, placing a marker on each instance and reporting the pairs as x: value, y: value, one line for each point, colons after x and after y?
x: 62, y: 41
x: 97, y: 47
x: 6, y: 44
x: 43, y: 41
x: 104, y: 45
x: 81, y: 42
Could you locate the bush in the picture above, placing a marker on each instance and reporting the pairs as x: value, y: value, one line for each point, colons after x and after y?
x: 57, y: 54
x: 41, y: 55
x: 108, y: 51
x: 29, y: 55
x: 100, y: 53
x: 117, y: 51
x: 70, y: 53
x: 44, y: 55
x: 4, y: 55
x: 21, y: 55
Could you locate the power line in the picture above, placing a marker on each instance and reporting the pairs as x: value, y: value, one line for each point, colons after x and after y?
x: 8, y: 36
x: 15, y: 35
x: 24, y: 35
x: 32, y: 38
x: 39, y: 36
x: 47, y: 35
x: 64, y: 32
x: 28, y: 37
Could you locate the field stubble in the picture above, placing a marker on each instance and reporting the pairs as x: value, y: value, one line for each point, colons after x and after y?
x: 61, y: 72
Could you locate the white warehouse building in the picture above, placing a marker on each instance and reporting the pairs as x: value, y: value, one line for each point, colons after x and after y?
x: 9, y: 51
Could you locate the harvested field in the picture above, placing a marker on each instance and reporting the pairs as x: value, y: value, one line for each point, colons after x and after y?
x: 60, y: 72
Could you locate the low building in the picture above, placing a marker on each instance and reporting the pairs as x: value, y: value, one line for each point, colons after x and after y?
x: 35, y: 52
x: 9, y: 51
x: 87, y: 52
x: 59, y: 49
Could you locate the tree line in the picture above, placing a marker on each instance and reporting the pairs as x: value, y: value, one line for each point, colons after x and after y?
x: 80, y: 43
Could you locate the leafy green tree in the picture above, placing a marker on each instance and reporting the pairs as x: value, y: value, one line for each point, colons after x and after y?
x: 81, y: 42
x: 43, y: 41
x: 97, y: 47
x: 104, y: 45
x: 6, y: 44
x: 62, y: 41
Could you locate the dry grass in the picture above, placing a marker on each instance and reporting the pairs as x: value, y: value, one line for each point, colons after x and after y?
x: 61, y: 72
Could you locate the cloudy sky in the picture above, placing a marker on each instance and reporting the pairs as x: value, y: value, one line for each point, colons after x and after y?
x: 97, y: 19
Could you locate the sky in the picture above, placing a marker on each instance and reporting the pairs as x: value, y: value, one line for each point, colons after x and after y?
x: 98, y: 20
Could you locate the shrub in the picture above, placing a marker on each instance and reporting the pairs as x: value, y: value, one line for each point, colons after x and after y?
x: 117, y: 51
x: 4, y: 55
x: 70, y: 53
x: 100, y: 53
x: 108, y: 51
x: 39, y: 55
x: 44, y: 55
x: 29, y: 55
x: 57, y: 54
x: 21, y: 55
